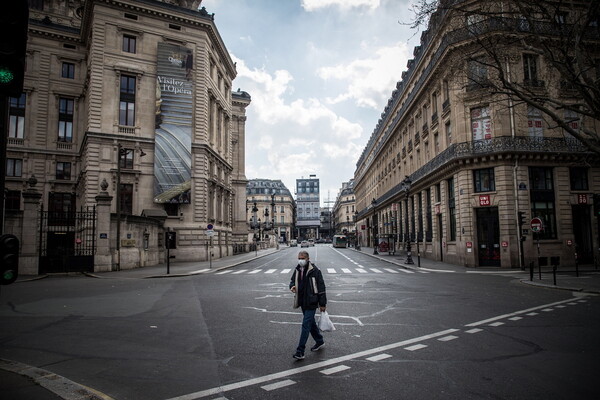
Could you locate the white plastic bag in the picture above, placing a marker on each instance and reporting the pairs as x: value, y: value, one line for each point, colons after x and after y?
x: 325, y: 324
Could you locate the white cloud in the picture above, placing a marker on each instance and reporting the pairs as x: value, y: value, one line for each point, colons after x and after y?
x: 312, y: 5
x: 369, y: 80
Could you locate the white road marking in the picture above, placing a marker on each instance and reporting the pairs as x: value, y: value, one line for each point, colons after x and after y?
x: 286, y: 271
x: 393, y: 271
x: 531, y: 314
x: 560, y: 306
x: 256, y: 271
x: 496, y: 323
x: 223, y: 272
x: 377, y: 271
x: 407, y: 271
x: 270, y: 271
x: 334, y: 370
x: 437, y: 270
x: 331, y: 270
x: 572, y: 303
x: 278, y: 385
x: 379, y: 357
x: 474, y: 330
x: 309, y: 367
x: 447, y: 338
x: 200, y: 271
x: 547, y: 309
x: 415, y: 347
x: 239, y: 272
x: 362, y: 271
x: 425, y: 272
x: 485, y: 321
x: 508, y: 271
x: 346, y: 271
x: 515, y: 318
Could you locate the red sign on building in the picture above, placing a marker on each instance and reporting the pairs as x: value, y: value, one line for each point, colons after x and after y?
x: 484, y: 200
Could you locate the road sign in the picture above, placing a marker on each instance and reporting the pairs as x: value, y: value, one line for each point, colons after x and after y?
x: 210, y: 233
x: 536, y: 225
x: 209, y: 227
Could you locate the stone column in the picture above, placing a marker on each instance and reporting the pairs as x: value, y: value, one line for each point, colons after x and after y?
x: 103, y: 256
x: 30, y: 257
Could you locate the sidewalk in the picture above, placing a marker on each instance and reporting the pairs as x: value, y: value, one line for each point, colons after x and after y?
x: 178, y: 269
x: 588, y: 280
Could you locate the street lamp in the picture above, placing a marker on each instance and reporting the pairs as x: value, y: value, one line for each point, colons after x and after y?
x: 121, y: 157
x: 273, y: 220
x: 254, y: 224
x: 374, y: 228
x: 356, y: 237
x: 406, y: 183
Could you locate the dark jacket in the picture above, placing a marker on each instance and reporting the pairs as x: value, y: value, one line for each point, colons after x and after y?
x: 310, y: 293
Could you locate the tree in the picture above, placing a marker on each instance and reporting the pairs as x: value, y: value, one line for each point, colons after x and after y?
x: 543, y: 54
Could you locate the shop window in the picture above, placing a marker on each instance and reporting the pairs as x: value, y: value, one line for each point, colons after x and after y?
x: 579, y: 178
x: 542, y: 200
x: 451, y: 210
x: 483, y: 180
x: 481, y: 123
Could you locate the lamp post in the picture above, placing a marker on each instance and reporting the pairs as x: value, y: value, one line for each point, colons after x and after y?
x: 273, y: 220
x: 357, y: 238
x: 254, y: 225
x: 407, y: 182
x: 374, y: 228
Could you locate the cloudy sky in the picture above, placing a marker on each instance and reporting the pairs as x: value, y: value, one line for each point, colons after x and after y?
x: 320, y: 73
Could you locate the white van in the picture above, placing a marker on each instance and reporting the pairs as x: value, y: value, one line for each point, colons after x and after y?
x: 293, y: 243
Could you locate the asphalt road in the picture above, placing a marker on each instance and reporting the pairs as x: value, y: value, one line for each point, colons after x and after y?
x: 231, y: 334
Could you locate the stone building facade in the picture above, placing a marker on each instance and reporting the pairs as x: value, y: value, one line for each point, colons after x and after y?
x: 270, y: 212
x: 463, y: 170
x: 344, y: 210
x: 137, y: 94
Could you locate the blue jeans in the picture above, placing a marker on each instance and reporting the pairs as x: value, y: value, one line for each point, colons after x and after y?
x: 309, y: 325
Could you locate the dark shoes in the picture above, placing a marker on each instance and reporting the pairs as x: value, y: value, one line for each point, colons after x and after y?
x: 317, y: 346
x: 299, y: 356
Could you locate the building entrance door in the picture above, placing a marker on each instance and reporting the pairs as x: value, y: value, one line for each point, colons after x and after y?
x: 488, y: 237
x: 440, y: 237
x: 582, y: 228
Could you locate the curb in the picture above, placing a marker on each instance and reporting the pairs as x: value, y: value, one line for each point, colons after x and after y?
x: 92, y: 275
x: 568, y: 288
x: 59, y: 385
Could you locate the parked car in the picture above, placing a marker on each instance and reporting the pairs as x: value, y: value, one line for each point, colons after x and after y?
x: 311, y: 242
x: 293, y: 243
x: 304, y: 243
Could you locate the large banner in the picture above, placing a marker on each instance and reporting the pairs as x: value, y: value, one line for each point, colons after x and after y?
x: 173, y: 124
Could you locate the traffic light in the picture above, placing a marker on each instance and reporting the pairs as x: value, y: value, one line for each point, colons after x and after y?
x: 14, y: 19
x: 9, y: 258
x: 521, y: 218
x: 171, y: 240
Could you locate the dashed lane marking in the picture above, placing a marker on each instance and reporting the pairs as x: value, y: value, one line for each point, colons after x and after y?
x: 515, y: 318
x: 278, y: 385
x: 270, y: 271
x: 256, y: 271
x: 331, y: 270
x: 334, y: 370
x: 415, y: 347
x: 200, y: 271
x: 346, y: 271
x: 223, y: 272
x: 496, y: 324
x: 447, y: 338
x: 377, y: 271
x: 286, y: 271
x: 379, y: 357
x: 474, y: 330
x: 393, y: 271
x: 362, y: 271
x: 239, y: 272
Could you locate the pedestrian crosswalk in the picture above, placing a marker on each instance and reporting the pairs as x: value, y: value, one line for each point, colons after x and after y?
x: 360, y: 269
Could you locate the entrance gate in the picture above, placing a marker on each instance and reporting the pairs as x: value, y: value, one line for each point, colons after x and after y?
x: 67, y: 241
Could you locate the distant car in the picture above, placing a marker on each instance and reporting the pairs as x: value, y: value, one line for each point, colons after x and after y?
x: 304, y: 243
x: 321, y: 240
x: 293, y: 243
x: 311, y: 242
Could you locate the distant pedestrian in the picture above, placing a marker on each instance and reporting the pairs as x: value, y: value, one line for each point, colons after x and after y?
x: 309, y: 288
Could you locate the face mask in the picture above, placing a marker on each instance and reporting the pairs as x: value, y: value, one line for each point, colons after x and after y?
x: 302, y: 263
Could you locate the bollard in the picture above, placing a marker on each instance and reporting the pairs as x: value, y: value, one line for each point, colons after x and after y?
x: 554, y: 267
x: 531, y: 271
x: 554, y: 261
